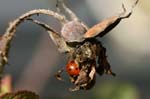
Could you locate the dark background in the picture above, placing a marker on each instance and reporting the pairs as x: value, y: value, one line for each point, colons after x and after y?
x: 33, y: 58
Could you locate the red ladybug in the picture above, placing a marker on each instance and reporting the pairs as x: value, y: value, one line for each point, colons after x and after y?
x: 72, y: 68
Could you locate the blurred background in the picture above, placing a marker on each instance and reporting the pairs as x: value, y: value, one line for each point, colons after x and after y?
x: 34, y: 59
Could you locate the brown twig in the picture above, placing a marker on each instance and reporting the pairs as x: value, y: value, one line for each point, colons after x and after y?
x: 7, y: 37
x: 56, y: 37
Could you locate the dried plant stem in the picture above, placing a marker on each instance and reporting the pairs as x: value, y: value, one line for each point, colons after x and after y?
x: 72, y: 15
x: 56, y: 37
x: 10, y: 31
x: 7, y: 37
x: 12, y: 27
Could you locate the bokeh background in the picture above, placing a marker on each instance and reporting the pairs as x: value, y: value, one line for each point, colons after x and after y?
x: 34, y: 59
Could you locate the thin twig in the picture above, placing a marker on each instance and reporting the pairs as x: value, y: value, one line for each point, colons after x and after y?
x: 44, y: 25
x: 10, y: 32
x: 56, y: 37
x: 71, y: 14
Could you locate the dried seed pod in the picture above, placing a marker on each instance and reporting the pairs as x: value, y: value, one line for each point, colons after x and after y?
x: 73, y: 31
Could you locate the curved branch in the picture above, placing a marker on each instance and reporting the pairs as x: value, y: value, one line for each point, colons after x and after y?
x: 12, y: 26
x: 7, y: 37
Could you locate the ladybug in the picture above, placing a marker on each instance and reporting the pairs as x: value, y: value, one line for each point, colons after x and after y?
x: 72, y: 68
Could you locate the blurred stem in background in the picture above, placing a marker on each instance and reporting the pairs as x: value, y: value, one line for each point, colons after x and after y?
x: 6, y: 84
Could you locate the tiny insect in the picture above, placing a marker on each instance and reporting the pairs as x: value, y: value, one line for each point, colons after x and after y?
x: 85, y: 53
x: 72, y: 68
